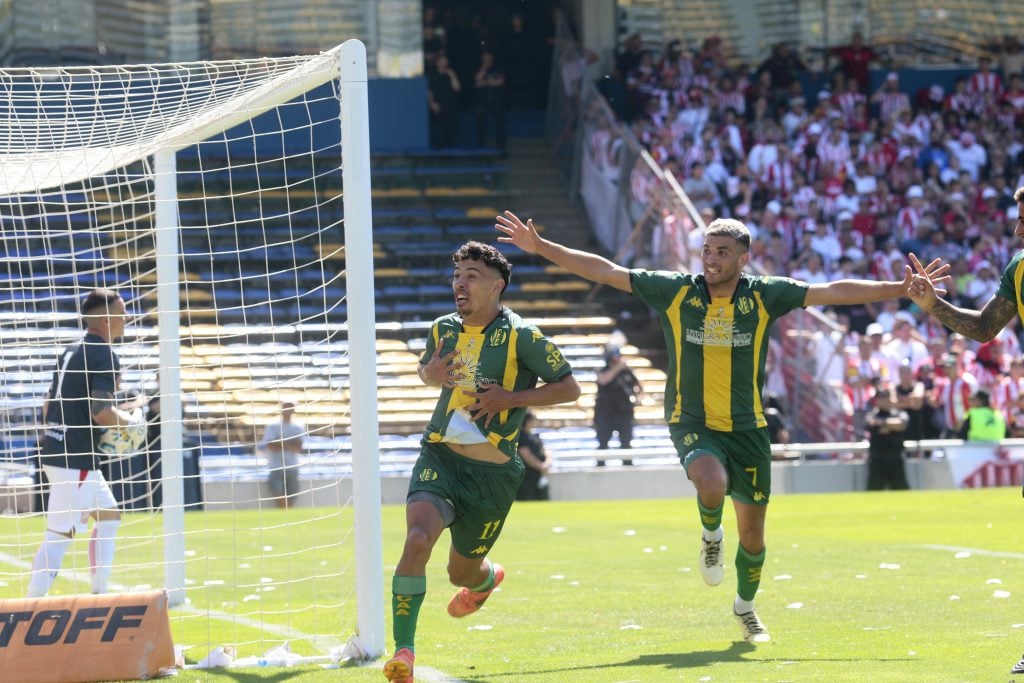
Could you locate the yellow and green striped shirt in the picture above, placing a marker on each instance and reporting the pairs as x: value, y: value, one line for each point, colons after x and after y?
x: 716, y: 347
x: 509, y: 353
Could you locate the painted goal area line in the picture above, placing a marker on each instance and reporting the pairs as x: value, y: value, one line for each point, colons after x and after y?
x: 425, y: 673
x: 975, y: 551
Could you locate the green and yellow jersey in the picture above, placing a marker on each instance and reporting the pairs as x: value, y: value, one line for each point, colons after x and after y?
x: 1010, y: 283
x: 508, y: 352
x: 716, y: 347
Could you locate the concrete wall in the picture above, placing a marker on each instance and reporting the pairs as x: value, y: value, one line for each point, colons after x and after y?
x: 607, y: 483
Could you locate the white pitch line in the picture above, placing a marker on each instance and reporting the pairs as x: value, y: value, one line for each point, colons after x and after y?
x: 425, y: 673
x: 975, y: 551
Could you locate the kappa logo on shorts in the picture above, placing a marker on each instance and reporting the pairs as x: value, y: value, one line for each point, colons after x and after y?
x: 427, y: 475
x: 758, y: 496
x: 479, y: 550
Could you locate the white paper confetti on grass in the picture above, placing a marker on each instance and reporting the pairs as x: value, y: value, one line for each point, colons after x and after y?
x: 574, y: 583
x: 994, y: 581
x: 629, y: 532
x: 631, y: 627
x: 1016, y: 625
x: 648, y: 551
x: 247, y: 598
x: 783, y: 577
x: 557, y: 577
x: 886, y: 565
x: 1001, y: 594
x: 962, y: 554
x: 877, y: 628
x: 266, y: 580
x: 480, y: 627
x: 558, y: 529
x: 213, y: 582
x: 861, y: 576
x: 245, y: 565
x: 190, y: 553
x: 795, y: 605
x: 954, y: 597
x: 267, y: 548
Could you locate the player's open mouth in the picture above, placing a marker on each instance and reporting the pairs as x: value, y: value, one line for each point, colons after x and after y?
x: 712, y: 270
x: 461, y: 299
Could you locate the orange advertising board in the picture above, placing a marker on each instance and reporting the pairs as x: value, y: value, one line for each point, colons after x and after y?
x: 85, y: 638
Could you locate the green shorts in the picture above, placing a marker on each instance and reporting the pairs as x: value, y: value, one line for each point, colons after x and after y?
x: 746, y: 456
x: 481, y: 494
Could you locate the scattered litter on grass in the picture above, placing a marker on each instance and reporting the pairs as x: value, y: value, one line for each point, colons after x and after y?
x: 219, y: 656
x: 994, y: 581
x: 662, y: 547
x: 886, y: 565
x: 685, y: 569
x: 213, y: 582
x: 795, y: 605
x: 574, y: 583
x: 861, y: 576
x: 558, y: 530
x: 631, y: 627
x: 558, y: 577
x: 244, y: 565
x: 190, y: 553
x: 783, y: 577
x: 267, y: 548
x: 954, y: 597
x: 962, y: 554
x: 1016, y: 625
x: 877, y: 628
x: 266, y: 589
x: 648, y: 551
x: 250, y: 597
x: 480, y: 627
x: 265, y: 579
x: 1001, y: 594
x: 911, y: 654
x: 629, y: 532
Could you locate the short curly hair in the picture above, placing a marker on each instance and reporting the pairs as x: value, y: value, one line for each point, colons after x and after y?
x: 488, y: 255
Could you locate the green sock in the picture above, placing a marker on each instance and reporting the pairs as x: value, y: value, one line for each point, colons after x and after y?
x: 710, y: 518
x: 748, y: 572
x: 488, y: 583
x: 407, y: 596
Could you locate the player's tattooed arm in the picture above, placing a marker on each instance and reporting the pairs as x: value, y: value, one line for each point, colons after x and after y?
x: 100, y: 401
x: 981, y: 325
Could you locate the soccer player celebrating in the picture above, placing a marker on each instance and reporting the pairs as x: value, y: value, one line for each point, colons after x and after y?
x: 486, y: 361
x: 716, y: 329
x: 983, y: 325
x: 79, y: 405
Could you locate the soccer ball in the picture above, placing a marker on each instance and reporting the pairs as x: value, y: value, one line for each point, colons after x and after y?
x: 117, y: 442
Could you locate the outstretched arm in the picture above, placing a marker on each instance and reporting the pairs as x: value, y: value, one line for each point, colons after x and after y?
x: 846, y: 292
x: 981, y: 325
x: 588, y: 266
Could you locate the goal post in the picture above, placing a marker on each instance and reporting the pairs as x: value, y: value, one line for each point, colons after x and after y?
x: 229, y: 202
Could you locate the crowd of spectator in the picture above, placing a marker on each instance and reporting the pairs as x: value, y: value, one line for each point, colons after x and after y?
x: 844, y: 182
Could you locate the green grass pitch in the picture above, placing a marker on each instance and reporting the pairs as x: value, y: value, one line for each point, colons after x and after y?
x: 900, y: 586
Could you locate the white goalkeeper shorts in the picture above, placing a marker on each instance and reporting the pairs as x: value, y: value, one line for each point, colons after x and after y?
x: 74, y: 495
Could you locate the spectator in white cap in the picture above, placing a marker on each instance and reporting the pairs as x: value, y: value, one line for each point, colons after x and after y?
x: 904, y: 344
x: 969, y: 153
x: 909, y: 217
x: 889, y: 98
x: 983, y: 285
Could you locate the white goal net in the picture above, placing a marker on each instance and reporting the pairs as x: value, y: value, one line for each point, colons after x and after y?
x: 218, y: 199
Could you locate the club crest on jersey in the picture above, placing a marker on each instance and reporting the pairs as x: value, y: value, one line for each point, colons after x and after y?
x: 745, y: 305
x: 498, y: 337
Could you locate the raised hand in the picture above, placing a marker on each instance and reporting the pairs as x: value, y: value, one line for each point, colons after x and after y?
x: 522, y: 235
x: 920, y: 285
